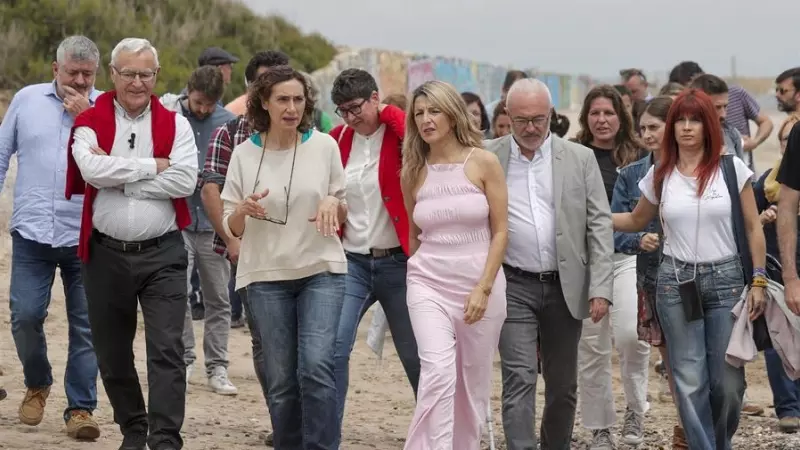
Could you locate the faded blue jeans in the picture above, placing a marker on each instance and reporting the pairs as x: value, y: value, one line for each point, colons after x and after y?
x: 297, y: 321
x: 33, y: 270
x: 369, y: 280
x: 708, y: 390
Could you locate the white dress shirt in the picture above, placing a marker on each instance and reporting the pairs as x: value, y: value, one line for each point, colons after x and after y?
x: 133, y: 202
x: 531, y: 210
x: 368, y: 223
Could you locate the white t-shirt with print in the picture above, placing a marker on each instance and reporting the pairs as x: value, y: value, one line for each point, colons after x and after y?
x: 715, y: 239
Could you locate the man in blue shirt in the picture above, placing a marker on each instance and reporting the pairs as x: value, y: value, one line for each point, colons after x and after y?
x: 199, y: 104
x: 44, y: 231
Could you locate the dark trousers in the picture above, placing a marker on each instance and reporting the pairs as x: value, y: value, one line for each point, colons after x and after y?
x: 785, y: 392
x: 155, y: 276
x: 538, y: 314
x: 236, y: 297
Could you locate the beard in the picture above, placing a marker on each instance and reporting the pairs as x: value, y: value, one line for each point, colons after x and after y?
x: 787, y: 107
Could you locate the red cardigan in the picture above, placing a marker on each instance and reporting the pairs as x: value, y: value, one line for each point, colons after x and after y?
x: 102, y: 120
x: 389, y: 165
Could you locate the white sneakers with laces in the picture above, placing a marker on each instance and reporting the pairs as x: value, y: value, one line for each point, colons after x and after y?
x: 219, y: 382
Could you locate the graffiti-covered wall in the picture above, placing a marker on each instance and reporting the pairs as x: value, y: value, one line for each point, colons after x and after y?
x: 399, y: 73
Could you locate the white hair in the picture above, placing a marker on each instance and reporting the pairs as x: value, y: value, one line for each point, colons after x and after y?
x: 135, y: 46
x: 77, y: 48
x: 529, y: 86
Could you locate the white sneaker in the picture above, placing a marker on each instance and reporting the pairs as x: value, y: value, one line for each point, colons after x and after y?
x: 219, y: 382
x: 189, y: 370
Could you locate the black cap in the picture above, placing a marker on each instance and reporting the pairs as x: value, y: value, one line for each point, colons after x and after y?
x: 215, y: 56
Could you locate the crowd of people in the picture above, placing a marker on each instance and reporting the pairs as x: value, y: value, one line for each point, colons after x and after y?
x: 476, y: 228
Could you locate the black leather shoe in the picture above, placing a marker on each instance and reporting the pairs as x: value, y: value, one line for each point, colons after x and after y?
x: 134, y: 441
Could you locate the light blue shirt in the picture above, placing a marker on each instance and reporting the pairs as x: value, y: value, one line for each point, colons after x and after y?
x: 36, y: 128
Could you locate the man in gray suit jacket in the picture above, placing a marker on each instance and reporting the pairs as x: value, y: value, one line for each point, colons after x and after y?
x: 558, y: 266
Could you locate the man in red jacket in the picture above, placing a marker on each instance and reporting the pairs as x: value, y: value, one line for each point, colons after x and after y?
x: 375, y: 236
x: 135, y: 161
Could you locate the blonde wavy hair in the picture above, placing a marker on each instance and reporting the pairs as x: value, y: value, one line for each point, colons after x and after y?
x: 444, y: 97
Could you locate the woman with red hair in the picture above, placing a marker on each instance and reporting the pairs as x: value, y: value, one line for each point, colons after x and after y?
x: 704, y: 269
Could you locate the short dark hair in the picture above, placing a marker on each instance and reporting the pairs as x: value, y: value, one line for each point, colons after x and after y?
x: 261, y: 89
x: 269, y: 58
x: 511, y: 77
x: 207, y: 80
x: 470, y: 98
x: 684, y: 72
x: 710, y: 84
x: 794, y: 74
x: 559, y: 124
x: 352, y: 84
x: 623, y: 90
x: 627, y: 74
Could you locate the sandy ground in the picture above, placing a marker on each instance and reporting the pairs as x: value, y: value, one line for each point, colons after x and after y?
x: 380, y: 403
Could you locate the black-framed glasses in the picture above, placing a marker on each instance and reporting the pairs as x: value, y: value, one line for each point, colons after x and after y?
x: 354, y: 110
x: 538, y: 121
x: 286, y: 189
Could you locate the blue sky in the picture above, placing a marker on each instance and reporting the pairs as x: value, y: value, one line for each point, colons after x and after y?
x: 596, y: 37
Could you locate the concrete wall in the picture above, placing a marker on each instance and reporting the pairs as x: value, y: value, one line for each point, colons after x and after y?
x: 400, y: 73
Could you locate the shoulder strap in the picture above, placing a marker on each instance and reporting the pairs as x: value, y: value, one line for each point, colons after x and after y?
x: 737, y: 215
x: 341, y: 134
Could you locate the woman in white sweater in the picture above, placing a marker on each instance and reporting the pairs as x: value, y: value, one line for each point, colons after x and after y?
x: 284, y: 196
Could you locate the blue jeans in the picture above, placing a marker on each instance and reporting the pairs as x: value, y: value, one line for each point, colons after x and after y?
x: 33, y: 270
x: 369, y: 280
x: 708, y: 390
x: 785, y: 392
x: 297, y: 321
x: 233, y: 295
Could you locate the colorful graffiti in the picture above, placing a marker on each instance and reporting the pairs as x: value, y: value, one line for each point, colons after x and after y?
x: 400, y: 73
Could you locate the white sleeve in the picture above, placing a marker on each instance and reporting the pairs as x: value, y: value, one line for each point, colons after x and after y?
x: 232, y: 193
x: 743, y: 173
x: 646, y: 186
x: 179, y: 180
x: 336, y: 186
x: 106, y: 171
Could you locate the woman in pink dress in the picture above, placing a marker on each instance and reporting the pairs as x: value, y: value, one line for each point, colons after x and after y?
x: 457, y: 201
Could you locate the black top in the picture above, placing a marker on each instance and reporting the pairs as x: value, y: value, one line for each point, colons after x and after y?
x: 608, y: 170
x: 789, y: 172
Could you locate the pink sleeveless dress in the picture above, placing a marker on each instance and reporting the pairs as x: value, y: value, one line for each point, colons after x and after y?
x: 456, y: 358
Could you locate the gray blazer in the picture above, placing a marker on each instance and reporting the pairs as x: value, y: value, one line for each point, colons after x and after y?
x: 584, y: 234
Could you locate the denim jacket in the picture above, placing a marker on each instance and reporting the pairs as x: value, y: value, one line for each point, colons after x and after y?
x: 626, y: 196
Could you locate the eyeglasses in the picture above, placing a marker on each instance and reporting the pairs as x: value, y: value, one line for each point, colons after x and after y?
x: 129, y: 76
x: 286, y: 190
x: 354, y: 110
x: 538, y: 121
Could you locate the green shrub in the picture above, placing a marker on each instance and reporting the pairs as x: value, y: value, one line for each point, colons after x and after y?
x: 180, y: 30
